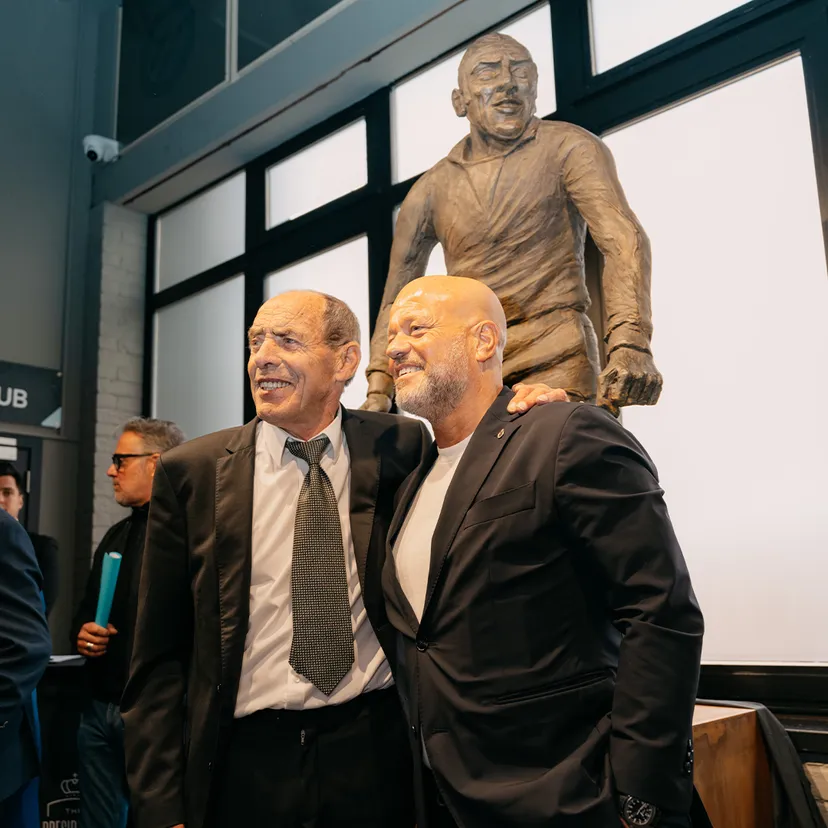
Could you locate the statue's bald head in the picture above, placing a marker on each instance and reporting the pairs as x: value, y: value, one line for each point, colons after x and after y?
x: 496, y: 43
x: 497, y: 87
x: 446, y: 337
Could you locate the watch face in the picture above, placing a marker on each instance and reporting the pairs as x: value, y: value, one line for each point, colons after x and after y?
x: 639, y: 813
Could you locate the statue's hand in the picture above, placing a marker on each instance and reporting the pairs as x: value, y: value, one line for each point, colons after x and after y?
x: 630, y: 378
x: 528, y: 396
x: 377, y: 402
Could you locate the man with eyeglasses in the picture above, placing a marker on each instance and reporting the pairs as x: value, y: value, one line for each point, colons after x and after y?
x: 104, y: 793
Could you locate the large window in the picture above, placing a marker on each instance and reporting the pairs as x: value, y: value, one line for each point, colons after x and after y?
x: 264, y: 23
x: 740, y: 292
x: 330, y: 168
x: 203, y: 232
x: 718, y: 140
x: 623, y: 30
x: 196, y: 380
x: 172, y: 52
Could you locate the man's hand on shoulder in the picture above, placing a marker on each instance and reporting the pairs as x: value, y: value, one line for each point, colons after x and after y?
x: 528, y: 396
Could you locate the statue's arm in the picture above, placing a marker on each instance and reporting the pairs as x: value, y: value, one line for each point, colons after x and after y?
x: 414, y: 239
x: 592, y: 185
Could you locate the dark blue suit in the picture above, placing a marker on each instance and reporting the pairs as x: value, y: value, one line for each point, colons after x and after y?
x: 25, y: 646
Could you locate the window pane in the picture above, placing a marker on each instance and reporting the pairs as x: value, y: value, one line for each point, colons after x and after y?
x: 326, y: 170
x: 172, y: 52
x: 341, y: 271
x: 198, y: 361
x: 623, y: 30
x: 202, y: 233
x: 263, y: 24
x: 423, y: 124
x: 740, y: 296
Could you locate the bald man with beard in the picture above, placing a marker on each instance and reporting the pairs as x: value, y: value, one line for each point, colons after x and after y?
x: 549, y: 642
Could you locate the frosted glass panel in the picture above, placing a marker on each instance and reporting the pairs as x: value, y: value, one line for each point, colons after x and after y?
x: 341, y: 271
x: 202, y: 233
x: 423, y: 124
x: 326, y: 170
x: 740, y: 296
x: 623, y: 29
x: 199, y: 360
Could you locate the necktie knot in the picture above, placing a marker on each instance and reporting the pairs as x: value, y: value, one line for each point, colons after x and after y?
x: 311, y: 452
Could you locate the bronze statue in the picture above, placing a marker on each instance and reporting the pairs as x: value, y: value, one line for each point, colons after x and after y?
x: 510, y: 205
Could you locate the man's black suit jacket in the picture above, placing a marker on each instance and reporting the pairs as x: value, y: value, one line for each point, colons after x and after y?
x: 194, y: 599
x: 25, y: 645
x: 46, y: 552
x: 558, y: 654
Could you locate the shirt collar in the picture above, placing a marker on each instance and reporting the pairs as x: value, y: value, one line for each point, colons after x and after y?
x: 275, y: 439
x: 460, y: 150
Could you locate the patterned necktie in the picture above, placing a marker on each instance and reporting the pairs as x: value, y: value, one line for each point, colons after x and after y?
x: 322, y: 649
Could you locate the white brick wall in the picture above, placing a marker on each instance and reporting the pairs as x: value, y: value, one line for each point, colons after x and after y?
x: 120, y: 348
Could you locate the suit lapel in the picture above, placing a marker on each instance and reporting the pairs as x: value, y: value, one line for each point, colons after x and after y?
x: 233, y: 545
x: 408, y: 492
x: 365, y: 479
x: 487, y: 442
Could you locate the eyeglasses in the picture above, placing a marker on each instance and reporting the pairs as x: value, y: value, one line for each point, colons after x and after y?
x: 118, y: 459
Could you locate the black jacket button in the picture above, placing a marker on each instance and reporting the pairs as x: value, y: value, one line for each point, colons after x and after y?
x: 422, y: 646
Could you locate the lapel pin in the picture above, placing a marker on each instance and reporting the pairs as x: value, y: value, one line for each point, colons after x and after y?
x: 501, y: 433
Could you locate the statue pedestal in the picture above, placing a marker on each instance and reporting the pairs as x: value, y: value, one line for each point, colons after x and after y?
x: 732, y: 773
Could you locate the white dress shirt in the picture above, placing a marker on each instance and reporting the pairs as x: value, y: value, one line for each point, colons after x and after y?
x: 412, y: 548
x: 267, y: 679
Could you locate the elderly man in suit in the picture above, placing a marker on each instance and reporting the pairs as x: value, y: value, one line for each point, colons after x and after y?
x: 549, y: 635
x: 25, y: 646
x: 261, y: 601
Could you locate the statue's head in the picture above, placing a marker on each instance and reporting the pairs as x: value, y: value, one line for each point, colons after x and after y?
x: 498, y: 87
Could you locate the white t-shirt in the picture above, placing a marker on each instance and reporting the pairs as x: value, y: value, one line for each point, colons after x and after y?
x: 412, y: 548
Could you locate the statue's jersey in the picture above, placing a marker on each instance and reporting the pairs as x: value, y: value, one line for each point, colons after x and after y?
x: 517, y: 222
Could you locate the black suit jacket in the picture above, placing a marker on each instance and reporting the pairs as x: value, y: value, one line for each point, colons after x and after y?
x: 46, y: 552
x: 557, y: 658
x: 25, y: 645
x: 194, y: 600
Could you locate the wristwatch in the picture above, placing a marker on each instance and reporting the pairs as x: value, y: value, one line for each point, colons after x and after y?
x: 637, y: 813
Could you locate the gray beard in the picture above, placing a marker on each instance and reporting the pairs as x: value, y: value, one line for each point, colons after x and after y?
x: 440, y: 390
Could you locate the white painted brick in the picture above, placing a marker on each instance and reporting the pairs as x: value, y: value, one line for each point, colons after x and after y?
x: 120, y: 347
x: 130, y: 373
x: 120, y: 388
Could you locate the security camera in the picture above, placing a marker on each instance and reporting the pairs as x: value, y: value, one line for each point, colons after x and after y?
x: 98, y: 148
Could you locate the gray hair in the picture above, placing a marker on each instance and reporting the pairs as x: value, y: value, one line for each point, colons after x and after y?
x: 158, y: 435
x: 339, y: 321
x: 340, y: 324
